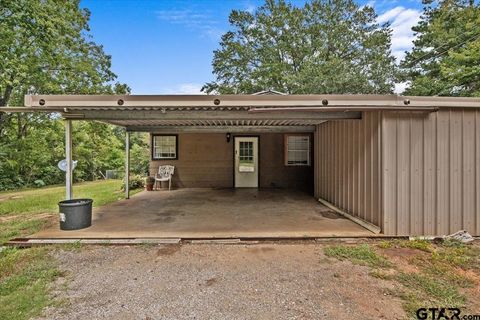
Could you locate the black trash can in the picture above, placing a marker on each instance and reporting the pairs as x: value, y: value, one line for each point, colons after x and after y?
x: 75, y: 214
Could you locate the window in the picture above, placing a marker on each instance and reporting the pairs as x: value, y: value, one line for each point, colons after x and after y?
x: 246, y: 152
x: 164, y: 147
x: 297, y: 150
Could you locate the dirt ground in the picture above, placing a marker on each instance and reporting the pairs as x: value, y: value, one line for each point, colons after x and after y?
x: 212, y: 281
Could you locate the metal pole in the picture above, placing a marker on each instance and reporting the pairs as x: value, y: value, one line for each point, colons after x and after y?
x: 127, y: 164
x: 68, y: 157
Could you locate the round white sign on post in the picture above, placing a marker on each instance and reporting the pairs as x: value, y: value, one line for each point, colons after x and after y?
x: 62, y: 164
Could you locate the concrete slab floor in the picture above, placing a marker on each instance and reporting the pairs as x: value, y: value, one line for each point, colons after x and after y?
x: 215, y: 213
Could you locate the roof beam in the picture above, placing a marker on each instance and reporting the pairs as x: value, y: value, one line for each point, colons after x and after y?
x: 213, y: 129
x: 209, y: 115
x: 337, y: 109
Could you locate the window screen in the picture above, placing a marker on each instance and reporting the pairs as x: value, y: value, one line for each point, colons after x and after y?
x: 164, y: 147
x: 297, y: 150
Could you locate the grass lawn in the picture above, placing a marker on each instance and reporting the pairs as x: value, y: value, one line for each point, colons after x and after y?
x: 46, y: 199
x: 25, y: 278
x: 26, y: 274
x: 26, y: 211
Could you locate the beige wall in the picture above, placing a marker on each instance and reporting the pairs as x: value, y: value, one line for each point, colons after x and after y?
x: 431, y: 166
x: 409, y: 173
x: 206, y: 160
x: 348, y: 165
x: 274, y: 173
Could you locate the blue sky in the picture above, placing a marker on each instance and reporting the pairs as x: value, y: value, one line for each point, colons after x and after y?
x: 166, y: 47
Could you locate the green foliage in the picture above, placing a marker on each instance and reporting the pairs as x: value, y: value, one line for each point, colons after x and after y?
x: 379, y: 274
x: 140, y: 153
x: 135, y: 182
x: 323, y: 47
x: 419, y: 244
x: 46, y: 48
x: 441, y: 273
x: 445, y: 59
x: 426, y: 291
x: 361, y: 254
x: 25, y: 212
x: 25, y: 276
x: 19, y: 227
x: 46, y: 199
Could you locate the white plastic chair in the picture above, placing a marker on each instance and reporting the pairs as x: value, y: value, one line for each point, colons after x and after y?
x: 165, y: 173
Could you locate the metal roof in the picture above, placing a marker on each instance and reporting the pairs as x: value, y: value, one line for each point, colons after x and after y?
x: 229, y: 112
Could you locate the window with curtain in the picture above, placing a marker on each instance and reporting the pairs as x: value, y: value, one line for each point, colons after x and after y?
x: 297, y: 150
x: 164, y: 147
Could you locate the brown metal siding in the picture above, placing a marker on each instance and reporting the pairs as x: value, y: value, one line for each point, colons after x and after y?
x: 206, y: 160
x: 347, y: 162
x: 431, y: 171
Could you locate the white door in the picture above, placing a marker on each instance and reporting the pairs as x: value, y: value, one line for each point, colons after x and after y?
x: 246, y: 162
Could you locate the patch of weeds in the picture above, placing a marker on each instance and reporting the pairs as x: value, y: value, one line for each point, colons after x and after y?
x: 361, y: 254
x: 379, y: 274
x: 447, y: 273
x: 411, y: 303
x: 72, y: 246
x: 426, y: 291
x: 458, y: 256
x: 148, y: 245
x: 418, y: 244
x: 25, y: 278
x: 452, y: 243
x: 385, y: 244
x: 20, y: 227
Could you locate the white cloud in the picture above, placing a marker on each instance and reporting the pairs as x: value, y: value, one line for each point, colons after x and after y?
x: 202, y: 22
x: 251, y: 9
x: 184, y: 88
x: 400, y: 87
x: 401, y: 21
x: 387, y: 16
x: 371, y: 3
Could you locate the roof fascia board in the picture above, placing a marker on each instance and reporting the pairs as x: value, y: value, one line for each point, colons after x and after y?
x: 205, y: 100
x: 218, y: 101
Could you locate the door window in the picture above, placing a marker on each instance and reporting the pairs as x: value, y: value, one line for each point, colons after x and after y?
x: 245, y: 152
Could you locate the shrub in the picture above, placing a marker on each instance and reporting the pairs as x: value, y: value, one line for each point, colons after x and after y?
x: 39, y: 183
x: 135, y: 182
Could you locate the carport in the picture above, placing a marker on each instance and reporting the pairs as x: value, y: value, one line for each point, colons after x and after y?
x: 355, y: 171
x: 205, y: 213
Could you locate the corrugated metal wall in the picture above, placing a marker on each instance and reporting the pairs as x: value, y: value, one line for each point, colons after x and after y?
x: 409, y: 173
x: 431, y: 165
x: 347, y: 162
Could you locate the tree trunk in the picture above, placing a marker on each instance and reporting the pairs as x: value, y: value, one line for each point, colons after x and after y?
x: 4, y: 99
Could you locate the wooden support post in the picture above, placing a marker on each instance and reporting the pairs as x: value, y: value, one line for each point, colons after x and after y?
x: 127, y: 164
x: 68, y: 157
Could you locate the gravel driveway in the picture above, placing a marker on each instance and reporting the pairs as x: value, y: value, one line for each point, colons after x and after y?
x: 212, y: 281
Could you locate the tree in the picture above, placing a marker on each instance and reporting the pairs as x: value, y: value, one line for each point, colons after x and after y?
x: 45, y: 48
x: 326, y: 46
x: 445, y: 59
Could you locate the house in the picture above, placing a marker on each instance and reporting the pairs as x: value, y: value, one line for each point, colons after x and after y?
x: 404, y: 165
